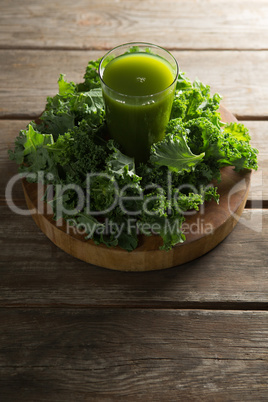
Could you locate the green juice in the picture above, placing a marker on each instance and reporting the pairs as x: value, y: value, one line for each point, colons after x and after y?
x: 138, y: 95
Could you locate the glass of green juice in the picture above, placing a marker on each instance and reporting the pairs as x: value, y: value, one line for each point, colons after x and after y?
x: 138, y: 84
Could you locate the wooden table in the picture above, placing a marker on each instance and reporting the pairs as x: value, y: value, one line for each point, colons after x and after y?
x: 71, y: 331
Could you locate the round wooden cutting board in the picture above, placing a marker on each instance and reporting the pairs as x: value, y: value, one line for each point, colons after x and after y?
x: 204, y: 230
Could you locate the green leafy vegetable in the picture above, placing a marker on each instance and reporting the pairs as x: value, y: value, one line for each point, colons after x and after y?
x: 174, y: 153
x: 98, y: 188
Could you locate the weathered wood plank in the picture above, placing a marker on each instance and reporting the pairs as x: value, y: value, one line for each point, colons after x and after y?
x: 35, y: 272
x: 133, y: 355
x: 9, y: 129
x: 28, y: 77
x: 185, y: 24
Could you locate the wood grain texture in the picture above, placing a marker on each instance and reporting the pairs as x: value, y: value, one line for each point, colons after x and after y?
x: 133, y: 355
x: 28, y: 77
x: 34, y: 272
x: 184, y: 24
x: 9, y: 129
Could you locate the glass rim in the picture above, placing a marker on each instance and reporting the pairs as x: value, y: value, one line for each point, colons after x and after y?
x: 137, y: 44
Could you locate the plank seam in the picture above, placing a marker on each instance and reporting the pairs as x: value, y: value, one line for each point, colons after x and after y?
x: 256, y: 204
x: 106, y: 48
x: 191, y: 306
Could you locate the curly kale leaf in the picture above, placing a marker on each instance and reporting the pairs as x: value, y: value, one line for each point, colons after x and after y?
x: 222, y: 146
x: 235, y: 148
x: 174, y: 153
x: 91, y: 77
x: 69, y: 107
x: 31, y: 151
x: 194, y: 100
